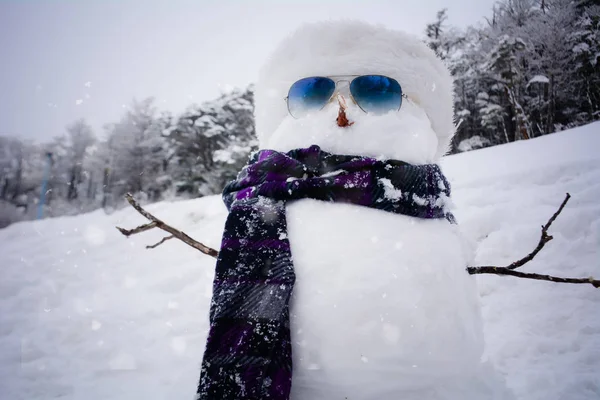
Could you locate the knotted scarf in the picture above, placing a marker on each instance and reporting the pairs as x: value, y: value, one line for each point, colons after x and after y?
x: 248, y: 354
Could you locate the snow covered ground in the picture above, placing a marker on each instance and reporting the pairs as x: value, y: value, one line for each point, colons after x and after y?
x: 88, y: 314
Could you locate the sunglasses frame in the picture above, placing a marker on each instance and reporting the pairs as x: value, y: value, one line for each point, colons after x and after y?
x: 336, y: 91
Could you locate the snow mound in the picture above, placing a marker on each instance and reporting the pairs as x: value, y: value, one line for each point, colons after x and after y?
x: 473, y: 143
x: 88, y: 314
x: 538, y: 79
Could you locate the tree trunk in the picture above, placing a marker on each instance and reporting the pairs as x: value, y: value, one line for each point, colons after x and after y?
x: 72, y: 192
x: 521, y: 120
x: 551, y: 106
x: 4, y: 190
x: 589, y: 99
x: 18, y: 179
x: 90, y: 188
x: 504, y: 129
x: 105, y: 187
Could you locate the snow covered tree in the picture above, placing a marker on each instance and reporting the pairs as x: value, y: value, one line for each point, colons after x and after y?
x: 492, y: 115
x: 585, y: 43
x: 505, y: 73
x: 148, y: 153
x: 465, y: 63
x: 136, y: 153
x: 11, y: 167
x: 435, y: 34
x: 549, y: 65
x: 530, y: 71
x: 80, y: 138
x: 211, y: 142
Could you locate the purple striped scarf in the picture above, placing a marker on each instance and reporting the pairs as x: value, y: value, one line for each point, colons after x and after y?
x: 248, y: 353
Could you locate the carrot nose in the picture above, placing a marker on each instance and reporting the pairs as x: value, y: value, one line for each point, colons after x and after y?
x: 341, y: 119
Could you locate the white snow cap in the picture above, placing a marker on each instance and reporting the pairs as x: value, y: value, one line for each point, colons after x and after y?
x: 357, y: 48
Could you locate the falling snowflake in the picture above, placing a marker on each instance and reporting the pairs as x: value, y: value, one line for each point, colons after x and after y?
x: 178, y: 345
x: 123, y: 361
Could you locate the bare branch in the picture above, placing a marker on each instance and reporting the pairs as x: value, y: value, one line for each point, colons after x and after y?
x: 545, y: 238
x: 157, y: 223
x: 139, y: 208
x: 155, y: 245
x: 539, y: 277
x: 141, y: 228
x: 553, y: 218
x: 509, y: 270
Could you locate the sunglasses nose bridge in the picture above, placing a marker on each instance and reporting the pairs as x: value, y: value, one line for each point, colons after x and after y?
x: 339, y: 90
x: 342, y: 87
x: 342, y: 83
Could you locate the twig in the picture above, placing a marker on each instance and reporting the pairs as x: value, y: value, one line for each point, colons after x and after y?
x: 157, y: 223
x: 553, y: 218
x: 141, y: 228
x: 155, y: 245
x: 539, y: 277
x: 511, y: 268
x: 544, y: 238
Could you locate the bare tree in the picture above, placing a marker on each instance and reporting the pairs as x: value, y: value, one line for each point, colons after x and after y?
x: 81, y: 138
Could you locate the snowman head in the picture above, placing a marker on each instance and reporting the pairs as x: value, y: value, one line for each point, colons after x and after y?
x: 418, y: 132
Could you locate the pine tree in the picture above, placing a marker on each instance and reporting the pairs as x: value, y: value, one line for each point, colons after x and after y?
x: 435, y: 34
x: 136, y: 151
x: 211, y: 142
x: 585, y: 42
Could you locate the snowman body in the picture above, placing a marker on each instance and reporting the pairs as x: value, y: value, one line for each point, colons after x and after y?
x: 382, y: 307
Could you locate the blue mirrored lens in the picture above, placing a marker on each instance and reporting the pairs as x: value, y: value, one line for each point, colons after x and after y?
x: 309, y: 94
x: 376, y: 93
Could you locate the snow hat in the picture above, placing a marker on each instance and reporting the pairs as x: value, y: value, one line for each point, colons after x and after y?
x: 353, y: 47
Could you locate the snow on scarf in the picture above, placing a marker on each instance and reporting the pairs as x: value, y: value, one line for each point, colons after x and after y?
x: 248, y: 354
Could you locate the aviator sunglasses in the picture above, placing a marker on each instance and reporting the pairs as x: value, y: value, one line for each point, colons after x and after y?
x: 376, y: 94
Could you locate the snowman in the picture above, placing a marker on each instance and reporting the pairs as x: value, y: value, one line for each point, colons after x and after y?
x: 342, y: 271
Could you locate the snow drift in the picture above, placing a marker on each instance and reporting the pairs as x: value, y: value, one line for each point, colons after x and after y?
x: 88, y: 314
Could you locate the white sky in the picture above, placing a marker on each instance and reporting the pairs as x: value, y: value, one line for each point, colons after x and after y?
x: 62, y: 60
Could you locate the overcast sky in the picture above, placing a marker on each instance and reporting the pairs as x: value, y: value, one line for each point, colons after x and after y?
x: 63, y: 60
